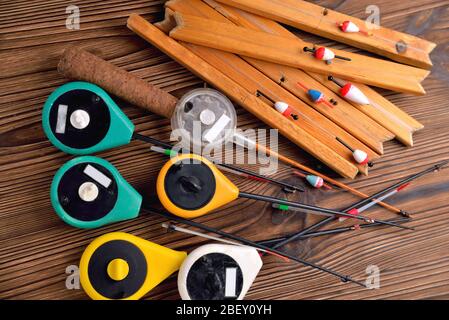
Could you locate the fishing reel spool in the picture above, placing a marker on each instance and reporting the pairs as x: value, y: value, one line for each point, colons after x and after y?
x: 218, y: 272
x: 204, y: 111
x: 190, y: 186
x: 89, y: 192
x: 119, y: 265
x: 81, y: 118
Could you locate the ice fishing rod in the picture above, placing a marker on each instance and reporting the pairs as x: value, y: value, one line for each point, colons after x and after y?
x: 89, y: 192
x: 354, y: 211
x: 373, y: 202
x: 326, y: 221
x: 79, y: 64
x: 197, y: 225
x: 190, y: 186
x: 172, y: 227
x: 405, y: 181
x: 81, y: 118
x: 168, y: 149
x: 273, y: 241
x: 351, y: 210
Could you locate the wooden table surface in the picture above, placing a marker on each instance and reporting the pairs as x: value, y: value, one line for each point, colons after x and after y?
x: 36, y: 247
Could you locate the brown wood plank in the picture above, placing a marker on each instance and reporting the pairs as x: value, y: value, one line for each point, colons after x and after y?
x: 36, y: 247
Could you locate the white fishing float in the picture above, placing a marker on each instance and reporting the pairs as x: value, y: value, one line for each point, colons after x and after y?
x: 360, y: 156
x: 354, y: 94
x: 280, y: 106
x: 351, y: 92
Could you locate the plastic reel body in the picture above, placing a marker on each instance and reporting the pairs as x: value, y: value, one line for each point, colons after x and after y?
x: 215, y: 191
x: 205, y: 117
x: 218, y: 272
x: 81, y: 118
x: 119, y: 265
x: 88, y: 192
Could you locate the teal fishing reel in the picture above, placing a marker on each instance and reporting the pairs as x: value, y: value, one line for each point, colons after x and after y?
x: 89, y: 192
x: 80, y: 118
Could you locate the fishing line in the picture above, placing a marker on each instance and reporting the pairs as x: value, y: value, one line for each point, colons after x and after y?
x: 364, y: 201
x: 191, y: 186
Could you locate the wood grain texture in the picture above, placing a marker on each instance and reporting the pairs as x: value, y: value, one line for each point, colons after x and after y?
x: 36, y: 247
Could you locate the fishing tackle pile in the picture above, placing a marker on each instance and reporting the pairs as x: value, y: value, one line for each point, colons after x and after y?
x: 286, y: 85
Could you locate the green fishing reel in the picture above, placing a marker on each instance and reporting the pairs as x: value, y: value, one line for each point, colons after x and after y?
x: 81, y: 118
x: 88, y: 192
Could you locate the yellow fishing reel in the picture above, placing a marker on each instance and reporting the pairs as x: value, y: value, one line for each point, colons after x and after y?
x: 190, y: 186
x: 119, y: 265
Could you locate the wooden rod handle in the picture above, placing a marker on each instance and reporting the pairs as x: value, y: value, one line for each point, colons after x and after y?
x: 79, y: 64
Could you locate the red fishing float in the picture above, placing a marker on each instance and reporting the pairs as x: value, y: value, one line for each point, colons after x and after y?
x: 350, y: 27
x: 285, y: 109
x: 282, y: 107
x: 324, y: 54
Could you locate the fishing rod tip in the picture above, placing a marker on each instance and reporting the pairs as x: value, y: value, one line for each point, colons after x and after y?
x: 441, y: 164
x: 405, y: 214
x: 168, y: 226
x: 346, y: 279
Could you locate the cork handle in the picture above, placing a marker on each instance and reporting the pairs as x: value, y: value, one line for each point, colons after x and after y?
x: 79, y: 64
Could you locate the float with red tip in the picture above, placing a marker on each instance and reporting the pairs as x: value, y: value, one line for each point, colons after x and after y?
x: 351, y: 27
x: 351, y: 92
x: 314, y: 181
x: 325, y: 54
x: 282, y: 107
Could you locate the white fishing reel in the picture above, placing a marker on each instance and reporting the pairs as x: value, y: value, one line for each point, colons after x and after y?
x: 218, y: 272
